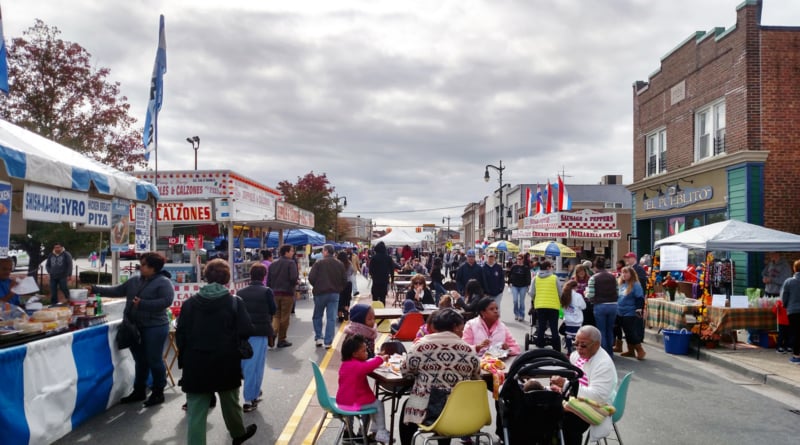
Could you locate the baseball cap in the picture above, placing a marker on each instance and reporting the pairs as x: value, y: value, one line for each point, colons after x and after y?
x: 630, y: 255
x: 470, y: 252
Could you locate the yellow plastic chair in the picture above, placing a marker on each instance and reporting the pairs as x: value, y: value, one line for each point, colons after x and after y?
x: 383, y: 326
x: 465, y: 413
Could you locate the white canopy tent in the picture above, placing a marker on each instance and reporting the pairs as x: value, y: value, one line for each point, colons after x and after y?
x: 399, y: 238
x: 734, y: 235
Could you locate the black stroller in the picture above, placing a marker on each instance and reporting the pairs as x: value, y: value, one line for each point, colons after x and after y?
x: 530, y: 413
x: 530, y: 337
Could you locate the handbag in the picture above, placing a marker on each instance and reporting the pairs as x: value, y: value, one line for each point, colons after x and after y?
x: 128, y: 333
x: 243, y: 346
x: 588, y: 410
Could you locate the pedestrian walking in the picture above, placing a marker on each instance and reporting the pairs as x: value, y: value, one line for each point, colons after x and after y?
x: 59, y: 267
x: 327, y: 278
x: 283, y: 276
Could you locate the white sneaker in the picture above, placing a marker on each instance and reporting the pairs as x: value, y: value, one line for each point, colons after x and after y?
x: 327, y: 346
x: 318, y: 342
x: 382, y: 436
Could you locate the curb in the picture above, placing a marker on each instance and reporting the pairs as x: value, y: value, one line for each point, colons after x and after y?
x: 760, y: 375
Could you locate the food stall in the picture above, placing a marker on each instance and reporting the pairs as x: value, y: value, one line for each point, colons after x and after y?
x: 241, y: 206
x: 55, y: 382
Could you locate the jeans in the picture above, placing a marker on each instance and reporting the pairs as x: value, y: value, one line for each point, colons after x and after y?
x: 197, y: 414
x: 604, y: 316
x: 377, y: 420
x: 55, y: 285
x: 569, y: 336
x: 329, y: 303
x: 519, y: 301
x: 497, y: 299
x: 253, y: 369
x: 439, y: 290
x: 148, y: 358
x: 545, y: 318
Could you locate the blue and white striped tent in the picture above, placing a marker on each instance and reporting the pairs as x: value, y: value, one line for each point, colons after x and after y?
x: 30, y: 157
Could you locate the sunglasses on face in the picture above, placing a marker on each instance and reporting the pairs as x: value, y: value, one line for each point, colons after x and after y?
x: 584, y: 344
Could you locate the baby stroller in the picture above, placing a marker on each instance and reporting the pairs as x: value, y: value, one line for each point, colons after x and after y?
x: 530, y: 337
x: 530, y: 413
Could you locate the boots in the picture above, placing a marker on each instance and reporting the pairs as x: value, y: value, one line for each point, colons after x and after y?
x: 640, y: 352
x: 630, y: 352
x: 156, y: 397
x: 618, y: 346
x: 137, y: 395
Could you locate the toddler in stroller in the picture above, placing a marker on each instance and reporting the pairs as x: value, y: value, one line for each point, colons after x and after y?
x: 530, y: 413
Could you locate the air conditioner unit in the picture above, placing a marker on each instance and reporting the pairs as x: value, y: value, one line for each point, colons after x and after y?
x: 609, y: 205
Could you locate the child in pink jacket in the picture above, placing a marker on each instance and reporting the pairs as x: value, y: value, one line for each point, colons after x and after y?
x: 354, y: 392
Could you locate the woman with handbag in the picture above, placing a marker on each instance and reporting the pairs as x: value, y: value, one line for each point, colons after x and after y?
x: 148, y: 295
x: 212, y: 332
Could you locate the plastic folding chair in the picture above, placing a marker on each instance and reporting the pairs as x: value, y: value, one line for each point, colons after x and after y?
x: 409, y: 327
x: 464, y: 414
x: 330, y: 406
x: 619, y: 407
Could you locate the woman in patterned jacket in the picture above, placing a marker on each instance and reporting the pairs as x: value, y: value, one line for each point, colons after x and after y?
x: 439, y: 359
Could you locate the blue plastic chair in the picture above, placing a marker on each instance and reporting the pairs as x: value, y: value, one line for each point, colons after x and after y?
x: 330, y: 406
x: 619, y: 407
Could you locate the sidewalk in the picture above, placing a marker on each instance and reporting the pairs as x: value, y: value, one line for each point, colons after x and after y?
x: 762, y: 365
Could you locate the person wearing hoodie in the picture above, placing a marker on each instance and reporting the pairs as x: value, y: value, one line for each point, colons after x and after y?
x: 362, y: 322
x: 148, y: 295
x: 59, y: 267
x: 545, y: 293
x: 381, y: 268
x: 210, y: 328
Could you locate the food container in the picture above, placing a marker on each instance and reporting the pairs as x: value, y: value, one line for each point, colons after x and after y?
x: 78, y: 295
x: 78, y: 308
x: 44, y: 316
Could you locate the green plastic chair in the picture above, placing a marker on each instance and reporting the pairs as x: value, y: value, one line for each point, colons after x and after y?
x: 619, y: 407
x: 330, y: 406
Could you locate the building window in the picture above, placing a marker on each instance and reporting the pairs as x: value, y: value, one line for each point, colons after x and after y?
x: 657, y: 152
x: 710, y: 131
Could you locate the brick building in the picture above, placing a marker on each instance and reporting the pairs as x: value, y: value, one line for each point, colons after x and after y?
x: 716, y: 135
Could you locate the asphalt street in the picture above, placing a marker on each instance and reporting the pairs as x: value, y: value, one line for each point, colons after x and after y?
x: 674, y: 399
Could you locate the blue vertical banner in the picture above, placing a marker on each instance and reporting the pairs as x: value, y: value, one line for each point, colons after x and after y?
x: 3, y: 60
x: 5, y: 217
x: 150, y: 134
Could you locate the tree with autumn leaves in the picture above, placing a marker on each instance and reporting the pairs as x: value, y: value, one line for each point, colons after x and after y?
x: 315, y: 194
x: 56, y: 92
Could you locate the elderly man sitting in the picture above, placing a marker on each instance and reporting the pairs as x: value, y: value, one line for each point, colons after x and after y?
x: 599, y: 382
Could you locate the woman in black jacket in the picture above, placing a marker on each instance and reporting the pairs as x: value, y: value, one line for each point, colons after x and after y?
x: 148, y: 295
x: 210, y: 327
x: 260, y: 304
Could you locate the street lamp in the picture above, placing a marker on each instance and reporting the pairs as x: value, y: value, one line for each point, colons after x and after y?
x: 486, y: 178
x: 447, y: 238
x: 195, y: 141
x: 337, y: 211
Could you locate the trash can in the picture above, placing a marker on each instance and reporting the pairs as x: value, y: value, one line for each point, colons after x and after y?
x: 677, y: 342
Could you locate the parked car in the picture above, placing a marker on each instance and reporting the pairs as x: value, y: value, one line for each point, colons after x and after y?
x: 19, y: 257
x: 129, y: 254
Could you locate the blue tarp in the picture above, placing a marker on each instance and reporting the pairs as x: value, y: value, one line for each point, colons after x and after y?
x: 295, y: 237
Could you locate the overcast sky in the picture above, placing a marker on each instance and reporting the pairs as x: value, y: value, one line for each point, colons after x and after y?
x: 401, y: 103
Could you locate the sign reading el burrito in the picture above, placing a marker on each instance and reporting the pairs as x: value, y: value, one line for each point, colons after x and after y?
x: 189, y: 211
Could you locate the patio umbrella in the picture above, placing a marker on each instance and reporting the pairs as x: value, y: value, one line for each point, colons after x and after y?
x: 505, y: 246
x: 552, y: 248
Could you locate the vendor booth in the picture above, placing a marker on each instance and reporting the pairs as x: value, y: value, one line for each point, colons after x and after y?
x: 58, y: 380
x: 587, y: 232
x: 241, y: 206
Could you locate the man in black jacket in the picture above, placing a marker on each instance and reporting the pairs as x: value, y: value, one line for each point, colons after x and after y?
x: 260, y: 304
x: 467, y: 271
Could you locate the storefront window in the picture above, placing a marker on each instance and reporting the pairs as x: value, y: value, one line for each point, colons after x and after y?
x: 715, y: 217
x: 659, y: 229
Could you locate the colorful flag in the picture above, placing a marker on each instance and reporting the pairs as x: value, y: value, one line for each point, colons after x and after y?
x: 548, y: 205
x: 156, y: 93
x: 3, y: 61
x: 564, y: 201
x: 539, y: 200
x: 527, y: 201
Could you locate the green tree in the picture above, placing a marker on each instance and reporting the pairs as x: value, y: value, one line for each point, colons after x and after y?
x: 315, y: 194
x: 56, y: 92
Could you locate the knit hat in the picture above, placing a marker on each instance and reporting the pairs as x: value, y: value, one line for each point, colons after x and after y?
x: 409, y: 306
x: 358, y: 313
